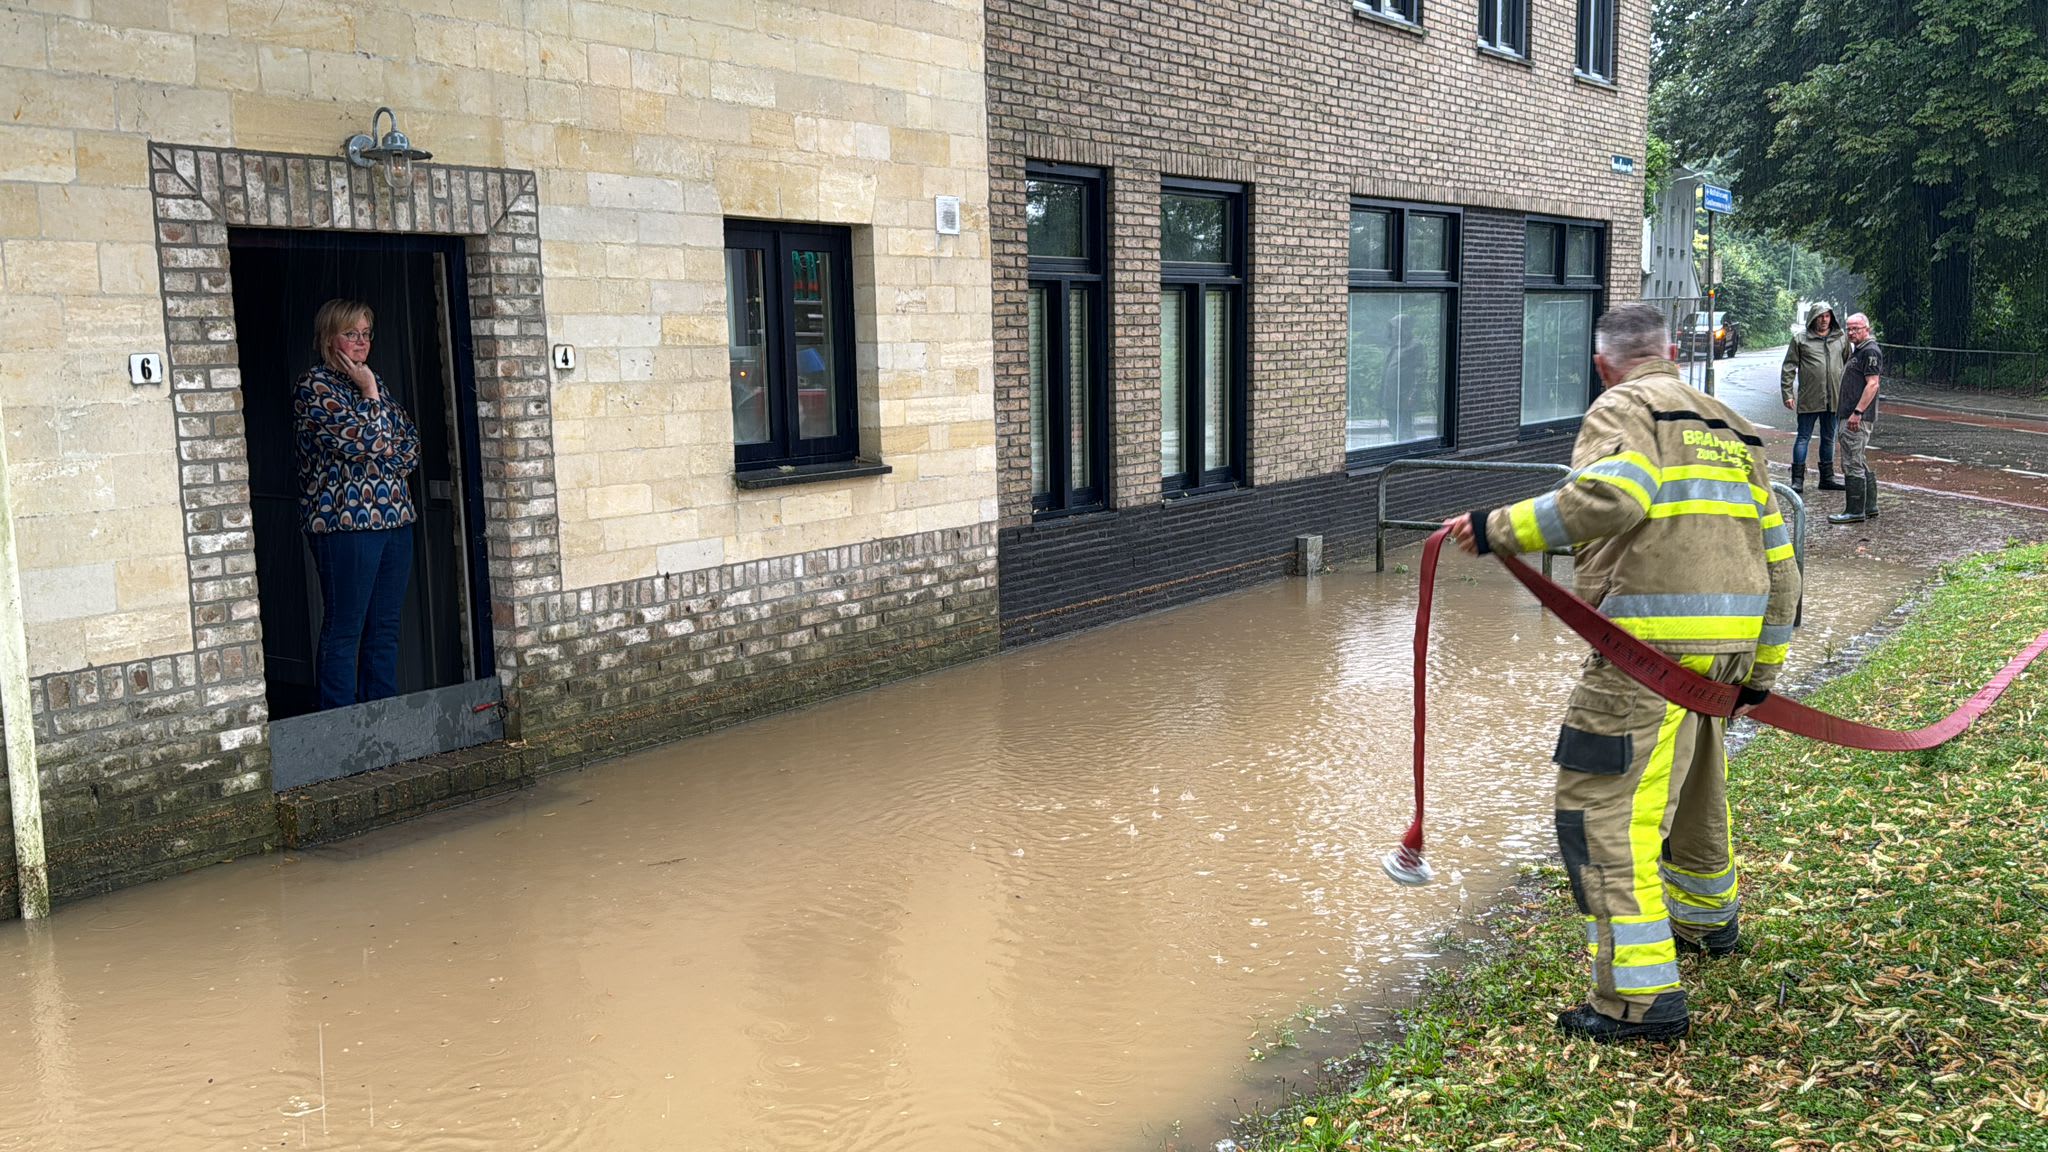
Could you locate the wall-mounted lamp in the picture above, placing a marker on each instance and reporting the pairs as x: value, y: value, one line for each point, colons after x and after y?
x: 392, y: 153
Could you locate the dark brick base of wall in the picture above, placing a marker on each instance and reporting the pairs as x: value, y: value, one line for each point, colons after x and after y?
x: 148, y: 769
x: 1060, y: 576
x: 676, y: 654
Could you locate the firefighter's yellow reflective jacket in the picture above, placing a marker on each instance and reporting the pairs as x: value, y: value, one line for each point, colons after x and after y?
x: 1679, y: 538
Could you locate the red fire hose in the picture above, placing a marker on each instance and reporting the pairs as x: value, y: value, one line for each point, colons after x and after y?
x: 1676, y: 683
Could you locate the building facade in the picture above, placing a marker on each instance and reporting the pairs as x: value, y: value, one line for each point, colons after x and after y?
x: 1670, y: 260
x: 692, y: 306
x: 1246, y: 256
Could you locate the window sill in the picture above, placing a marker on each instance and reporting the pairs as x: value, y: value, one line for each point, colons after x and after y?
x: 1554, y: 428
x: 1409, y: 26
x: 1061, y: 517
x: 1206, y: 493
x: 1592, y: 81
x: 1504, y: 54
x: 785, y: 475
x: 1370, y: 461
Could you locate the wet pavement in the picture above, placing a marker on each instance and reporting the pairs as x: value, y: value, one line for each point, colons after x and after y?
x: 1957, y: 474
x: 1059, y: 898
x: 1990, y: 446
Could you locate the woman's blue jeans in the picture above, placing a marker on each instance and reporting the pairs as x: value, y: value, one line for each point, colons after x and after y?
x: 362, y: 591
x: 1807, y: 420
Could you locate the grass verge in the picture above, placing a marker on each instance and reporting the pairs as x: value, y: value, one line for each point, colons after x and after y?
x: 1892, y: 990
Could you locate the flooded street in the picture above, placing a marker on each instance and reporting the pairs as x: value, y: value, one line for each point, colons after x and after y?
x: 1051, y: 900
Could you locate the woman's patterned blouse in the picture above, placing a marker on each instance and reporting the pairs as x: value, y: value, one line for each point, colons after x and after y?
x: 354, y: 455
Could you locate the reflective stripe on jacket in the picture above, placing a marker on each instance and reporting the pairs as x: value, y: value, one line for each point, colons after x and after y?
x: 1678, y: 536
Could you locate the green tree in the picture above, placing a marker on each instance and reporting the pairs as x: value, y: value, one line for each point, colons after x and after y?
x: 1904, y: 136
x: 1656, y: 171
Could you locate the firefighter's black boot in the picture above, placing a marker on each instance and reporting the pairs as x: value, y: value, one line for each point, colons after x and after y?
x: 1852, y: 511
x: 1667, y: 1019
x: 1799, y: 478
x: 1870, y: 494
x: 1720, y: 942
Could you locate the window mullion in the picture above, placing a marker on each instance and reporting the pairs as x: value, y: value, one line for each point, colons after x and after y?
x: 1097, y: 385
x: 845, y: 362
x: 1238, y: 386
x: 782, y: 381
x: 1059, y: 393
x: 1194, y: 382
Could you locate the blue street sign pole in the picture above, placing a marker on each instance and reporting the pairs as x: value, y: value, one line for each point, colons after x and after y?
x: 1715, y: 200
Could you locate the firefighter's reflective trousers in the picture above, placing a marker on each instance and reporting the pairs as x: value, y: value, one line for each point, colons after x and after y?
x: 1642, y: 824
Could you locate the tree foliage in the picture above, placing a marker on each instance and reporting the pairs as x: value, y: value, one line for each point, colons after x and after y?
x: 1762, y: 281
x: 1904, y: 136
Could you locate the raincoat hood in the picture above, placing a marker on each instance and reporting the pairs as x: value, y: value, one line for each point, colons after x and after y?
x: 1820, y: 310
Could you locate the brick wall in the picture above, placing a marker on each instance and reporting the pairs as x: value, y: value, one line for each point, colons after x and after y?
x: 148, y: 768
x: 1309, y: 105
x: 628, y: 664
x: 1062, y: 576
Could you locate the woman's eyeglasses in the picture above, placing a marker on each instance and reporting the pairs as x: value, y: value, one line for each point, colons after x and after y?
x: 361, y: 334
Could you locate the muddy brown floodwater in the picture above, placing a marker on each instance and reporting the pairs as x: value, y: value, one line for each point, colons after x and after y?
x: 1050, y: 900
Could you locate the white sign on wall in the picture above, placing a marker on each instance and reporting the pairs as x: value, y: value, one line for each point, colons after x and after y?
x: 146, y: 368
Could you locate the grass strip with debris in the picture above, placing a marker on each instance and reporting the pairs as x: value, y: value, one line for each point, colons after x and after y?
x: 1892, y: 988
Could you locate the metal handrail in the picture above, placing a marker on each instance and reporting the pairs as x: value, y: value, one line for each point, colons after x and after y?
x: 1787, y: 497
x: 1379, y: 541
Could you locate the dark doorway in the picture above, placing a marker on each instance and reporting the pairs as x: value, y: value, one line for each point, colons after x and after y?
x: 416, y: 287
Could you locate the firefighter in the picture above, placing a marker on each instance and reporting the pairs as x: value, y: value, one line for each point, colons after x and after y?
x: 1678, y: 540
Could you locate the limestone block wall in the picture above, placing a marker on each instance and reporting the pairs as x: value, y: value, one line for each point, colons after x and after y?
x: 647, y: 125
x: 629, y: 133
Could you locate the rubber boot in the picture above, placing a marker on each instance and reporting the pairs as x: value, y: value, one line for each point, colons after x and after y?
x: 1722, y: 941
x: 1829, y: 482
x: 1870, y: 494
x: 1852, y: 511
x: 1667, y: 1019
x: 1799, y: 479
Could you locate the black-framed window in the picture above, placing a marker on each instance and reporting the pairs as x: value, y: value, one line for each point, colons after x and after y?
x: 1069, y: 334
x: 1596, y: 39
x: 1403, y: 329
x: 1202, y: 334
x: 1504, y: 26
x: 1406, y: 11
x: 789, y: 319
x: 1564, y: 277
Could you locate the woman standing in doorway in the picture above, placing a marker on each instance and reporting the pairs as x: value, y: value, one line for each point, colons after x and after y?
x: 356, y: 446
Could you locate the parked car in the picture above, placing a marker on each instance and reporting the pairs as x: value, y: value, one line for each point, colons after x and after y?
x: 1724, y: 334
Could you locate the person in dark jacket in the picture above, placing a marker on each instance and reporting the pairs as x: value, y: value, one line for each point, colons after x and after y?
x: 1857, y: 415
x: 356, y: 447
x: 1811, y: 382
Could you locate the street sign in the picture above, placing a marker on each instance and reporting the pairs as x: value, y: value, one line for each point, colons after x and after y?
x: 1717, y: 199
x: 1623, y: 165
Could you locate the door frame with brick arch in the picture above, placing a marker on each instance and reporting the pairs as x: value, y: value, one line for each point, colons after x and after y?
x: 201, y: 192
